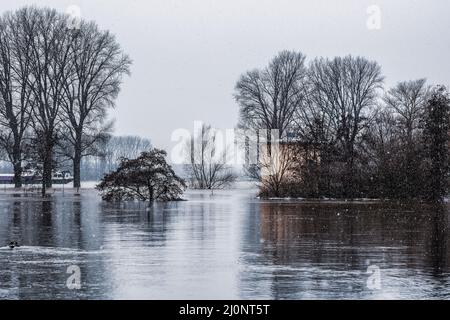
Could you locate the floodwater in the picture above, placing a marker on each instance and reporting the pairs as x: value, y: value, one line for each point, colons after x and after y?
x: 229, y: 245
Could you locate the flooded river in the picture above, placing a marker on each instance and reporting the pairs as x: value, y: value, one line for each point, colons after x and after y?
x: 229, y: 245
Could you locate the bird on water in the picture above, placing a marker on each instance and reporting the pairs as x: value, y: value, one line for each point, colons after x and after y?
x: 13, y: 244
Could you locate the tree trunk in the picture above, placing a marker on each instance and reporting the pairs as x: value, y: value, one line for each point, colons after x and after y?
x: 17, y: 174
x: 150, y: 191
x: 17, y: 160
x: 349, y: 174
x: 76, y: 169
x: 77, y: 159
x: 17, y: 156
x: 43, y: 188
x: 47, y: 170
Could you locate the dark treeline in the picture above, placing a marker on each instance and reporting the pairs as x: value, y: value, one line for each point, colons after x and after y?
x: 58, y: 77
x: 357, y: 138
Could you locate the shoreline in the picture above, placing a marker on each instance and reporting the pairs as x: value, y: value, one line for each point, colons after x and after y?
x: 59, y: 189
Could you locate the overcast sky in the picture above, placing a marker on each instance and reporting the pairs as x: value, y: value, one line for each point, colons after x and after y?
x: 188, y: 54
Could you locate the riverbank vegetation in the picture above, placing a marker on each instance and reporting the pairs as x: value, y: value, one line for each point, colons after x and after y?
x: 352, y: 137
x: 58, y: 78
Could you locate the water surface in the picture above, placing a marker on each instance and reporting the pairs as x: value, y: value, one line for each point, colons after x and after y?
x: 229, y: 245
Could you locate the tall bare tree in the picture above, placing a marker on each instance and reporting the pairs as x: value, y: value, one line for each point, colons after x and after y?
x: 268, y: 98
x: 49, y: 56
x: 346, y: 90
x: 91, y: 86
x: 15, y: 94
x: 315, y: 129
x: 407, y: 103
x: 407, y: 100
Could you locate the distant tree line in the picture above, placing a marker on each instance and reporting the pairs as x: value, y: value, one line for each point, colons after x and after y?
x: 357, y: 138
x: 109, y: 156
x: 57, y: 81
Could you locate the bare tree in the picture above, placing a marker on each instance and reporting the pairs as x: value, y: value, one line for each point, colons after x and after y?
x: 314, y: 127
x: 91, y: 87
x: 207, y: 165
x: 15, y: 95
x: 380, y: 148
x: 407, y: 100
x: 346, y: 90
x: 407, y: 103
x: 49, y: 57
x: 268, y: 98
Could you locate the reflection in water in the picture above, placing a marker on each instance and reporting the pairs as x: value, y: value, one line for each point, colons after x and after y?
x: 324, y: 250
x: 226, y: 245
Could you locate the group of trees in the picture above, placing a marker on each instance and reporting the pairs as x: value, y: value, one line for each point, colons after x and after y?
x: 57, y: 81
x: 357, y: 139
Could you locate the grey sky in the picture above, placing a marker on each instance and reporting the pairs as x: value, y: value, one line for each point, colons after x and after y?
x: 188, y: 54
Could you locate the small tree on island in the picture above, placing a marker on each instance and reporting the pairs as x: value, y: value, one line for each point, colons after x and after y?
x: 147, y: 178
